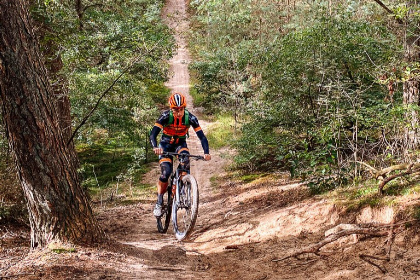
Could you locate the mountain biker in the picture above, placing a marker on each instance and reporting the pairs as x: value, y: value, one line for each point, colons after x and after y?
x: 175, y: 123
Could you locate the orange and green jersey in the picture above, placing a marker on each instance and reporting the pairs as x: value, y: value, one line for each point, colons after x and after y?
x: 175, y: 130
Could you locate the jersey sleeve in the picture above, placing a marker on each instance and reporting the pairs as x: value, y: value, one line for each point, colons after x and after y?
x: 161, y: 121
x: 200, y: 134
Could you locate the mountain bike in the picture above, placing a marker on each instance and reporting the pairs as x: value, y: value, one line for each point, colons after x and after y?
x: 180, y: 200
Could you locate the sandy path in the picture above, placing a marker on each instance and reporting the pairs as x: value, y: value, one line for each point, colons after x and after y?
x: 162, y: 256
x: 175, y: 16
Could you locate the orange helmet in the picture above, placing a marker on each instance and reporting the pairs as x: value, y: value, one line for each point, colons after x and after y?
x: 177, y: 100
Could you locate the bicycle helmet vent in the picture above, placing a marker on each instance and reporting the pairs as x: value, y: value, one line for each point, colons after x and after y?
x: 177, y: 100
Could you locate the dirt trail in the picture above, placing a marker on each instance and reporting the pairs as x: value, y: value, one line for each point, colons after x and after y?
x: 240, y: 229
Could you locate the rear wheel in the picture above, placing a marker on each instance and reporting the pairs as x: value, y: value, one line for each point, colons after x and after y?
x: 185, y: 211
x: 164, y: 220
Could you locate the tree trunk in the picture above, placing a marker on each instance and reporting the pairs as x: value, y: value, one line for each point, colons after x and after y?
x: 411, y: 98
x: 58, y: 207
x: 411, y: 93
x: 59, y: 84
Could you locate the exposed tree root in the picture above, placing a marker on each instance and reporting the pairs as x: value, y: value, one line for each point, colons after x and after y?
x: 367, y: 258
x: 372, y: 231
x: 314, y: 249
x: 15, y: 275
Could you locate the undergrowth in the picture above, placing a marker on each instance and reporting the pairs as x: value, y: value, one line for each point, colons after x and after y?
x: 111, y: 173
x: 365, y: 194
x: 221, y: 132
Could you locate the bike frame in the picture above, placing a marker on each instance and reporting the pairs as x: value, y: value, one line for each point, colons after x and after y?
x: 176, y: 174
x: 179, y: 199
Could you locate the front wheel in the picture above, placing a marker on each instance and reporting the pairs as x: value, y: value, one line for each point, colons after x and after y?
x: 165, y: 218
x: 185, y: 211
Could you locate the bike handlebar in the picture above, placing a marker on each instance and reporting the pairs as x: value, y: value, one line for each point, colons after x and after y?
x: 183, y: 155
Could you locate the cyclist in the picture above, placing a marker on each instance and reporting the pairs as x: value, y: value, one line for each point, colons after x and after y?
x: 175, y: 123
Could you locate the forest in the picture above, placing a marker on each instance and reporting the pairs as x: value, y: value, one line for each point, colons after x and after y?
x: 323, y: 93
x: 316, y: 87
x: 108, y: 60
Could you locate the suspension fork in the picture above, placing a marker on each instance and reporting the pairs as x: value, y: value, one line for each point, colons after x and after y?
x: 175, y: 182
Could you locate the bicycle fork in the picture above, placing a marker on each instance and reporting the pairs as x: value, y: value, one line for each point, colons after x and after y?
x: 175, y: 189
x: 179, y: 194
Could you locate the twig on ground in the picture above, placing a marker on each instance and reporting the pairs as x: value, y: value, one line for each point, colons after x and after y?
x: 166, y: 268
x: 390, y: 240
x: 372, y: 231
x: 366, y: 259
x: 236, y: 246
x: 15, y: 275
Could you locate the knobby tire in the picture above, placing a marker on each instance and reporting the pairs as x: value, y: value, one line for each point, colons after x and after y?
x: 183, y: 231
x: 164, y: 220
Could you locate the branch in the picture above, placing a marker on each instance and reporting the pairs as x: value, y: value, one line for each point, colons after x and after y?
x: 372, y: 170
x: 109, y: 89
x: 404, y: 166
x: 383, y: 6
x: 96, y: 105
x: 390, y: 178
x: 387, y: 9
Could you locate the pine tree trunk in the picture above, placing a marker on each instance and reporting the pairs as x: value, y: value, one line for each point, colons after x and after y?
x: 59, y: 84
x: 411, y: 93
x: 58, y: 207
x: 411, y: 97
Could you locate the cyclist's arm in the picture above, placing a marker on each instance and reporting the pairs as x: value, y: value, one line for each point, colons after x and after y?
x: 153, y: 135
x: 200, y: 133
x: 161, y: 121
x: 204, y: 141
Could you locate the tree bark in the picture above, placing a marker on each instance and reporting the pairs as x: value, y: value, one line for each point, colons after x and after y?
x: 411, y: 95
x: 411, y: 90
x: 58, y: 207
x: 59, y: 83
x: 411, y: 87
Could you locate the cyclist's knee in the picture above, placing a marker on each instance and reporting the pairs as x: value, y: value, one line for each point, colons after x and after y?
x: 186, y: 163
x: 166, y: 170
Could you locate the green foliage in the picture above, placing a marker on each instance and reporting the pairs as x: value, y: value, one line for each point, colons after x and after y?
x: 98, y: 45
x: 250, y: 177
x: 417, y: 213
x: 198, y: 97
x: 330, y: 91
x: 221, y: 133
x: 310, y: 95
x: 103, y: 164
x: 325, y: 183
